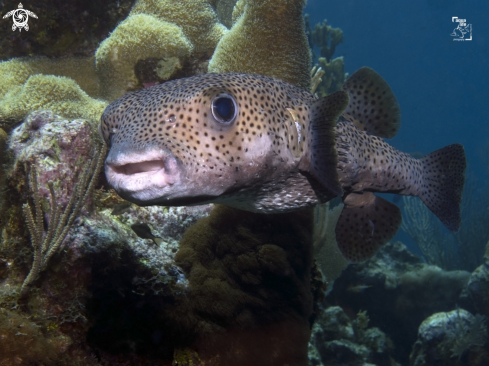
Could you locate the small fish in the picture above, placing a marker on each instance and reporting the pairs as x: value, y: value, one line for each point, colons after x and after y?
x: 120, y: 208
x: 358, y: 288
x: 144, y: 232
x: 263, y: 145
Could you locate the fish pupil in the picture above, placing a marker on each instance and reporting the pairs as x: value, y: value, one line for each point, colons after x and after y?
x: 224, y: 108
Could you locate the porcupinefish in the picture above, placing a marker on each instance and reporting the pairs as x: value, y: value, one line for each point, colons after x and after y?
x: 263, y: 145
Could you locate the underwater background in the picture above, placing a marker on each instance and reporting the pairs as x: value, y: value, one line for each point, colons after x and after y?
x: 441, y: 84
x: 87, y: 278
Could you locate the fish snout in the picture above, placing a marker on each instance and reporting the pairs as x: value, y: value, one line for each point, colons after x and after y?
x: 142, y: 177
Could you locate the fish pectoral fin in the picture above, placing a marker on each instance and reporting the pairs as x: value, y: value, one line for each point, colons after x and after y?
x: 366, y: 223
x: 373, y: 106
x: 320, y: 158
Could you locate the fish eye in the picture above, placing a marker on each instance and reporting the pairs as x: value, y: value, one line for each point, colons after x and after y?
x: 224, y: 108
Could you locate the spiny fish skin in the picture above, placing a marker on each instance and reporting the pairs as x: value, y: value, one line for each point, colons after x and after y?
x: 168, y: 149
x: 263, y: 145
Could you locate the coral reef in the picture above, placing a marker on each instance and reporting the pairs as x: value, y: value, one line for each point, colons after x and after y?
x: 186, y: 28
x: 196, y: 18
x: 136, y: 38
x: 237, y: 287
x: 23, y: 90
x: 336, y: 340
x: 224, y: 10
x: 24, y: 342
x: 398, y: 291
x: 60, y: 94
x: 15, y: 72
x: 326, y: 38
x: 59, y: 149
x: 451, y: 339
x: 62, y: 28
x: 247, y: 270
x: 45, y: 245
x: 476, y: 294
x: 267, y: 38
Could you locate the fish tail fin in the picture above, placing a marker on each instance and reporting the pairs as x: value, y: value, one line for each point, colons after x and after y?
x: 443, y: 183
x: 366, y: 223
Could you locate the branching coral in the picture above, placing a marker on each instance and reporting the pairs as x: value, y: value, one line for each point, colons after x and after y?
x: 46, y: 244
x: 327, y: 38
x: 268, y: 38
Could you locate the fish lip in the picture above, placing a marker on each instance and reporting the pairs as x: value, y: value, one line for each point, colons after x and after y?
x: 142, y: 177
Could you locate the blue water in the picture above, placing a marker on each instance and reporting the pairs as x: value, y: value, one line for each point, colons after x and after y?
x: 442, y: 85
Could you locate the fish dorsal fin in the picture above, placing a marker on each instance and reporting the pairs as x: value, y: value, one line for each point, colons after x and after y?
x: 373, y: 106
x: 320, y: 158
x: 366, y: 223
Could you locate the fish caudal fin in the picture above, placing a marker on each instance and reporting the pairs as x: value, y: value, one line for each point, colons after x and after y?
x: 373, y: 106
x: 320, y: 158
x: 366, y: 223
x: 443, y: 182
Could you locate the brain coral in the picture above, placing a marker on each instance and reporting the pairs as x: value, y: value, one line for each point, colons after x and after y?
x: 268, y: 38
x: 140, y: 36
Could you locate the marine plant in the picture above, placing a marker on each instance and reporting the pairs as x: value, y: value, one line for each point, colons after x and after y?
x: 45, y: 244
x: 461, y: 250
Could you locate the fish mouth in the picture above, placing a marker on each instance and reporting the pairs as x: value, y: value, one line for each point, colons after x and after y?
x: 142, y: 177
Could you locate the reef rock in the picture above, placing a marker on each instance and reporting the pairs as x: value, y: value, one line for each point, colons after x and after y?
x: 101, y: 252
x: 336, y: 340
x: 398, y: 292
x: 451, y: 339
x: 476, y: 295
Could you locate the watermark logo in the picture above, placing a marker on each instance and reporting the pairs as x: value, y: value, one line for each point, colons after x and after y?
x: 20, y: 17
x: 463, y: 32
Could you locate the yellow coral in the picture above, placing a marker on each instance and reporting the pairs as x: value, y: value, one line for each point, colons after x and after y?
x: 15, y: 72
x: 269, y: 39
x: 196, y: 18
x: 59, y: 94
x: 138, y: 37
